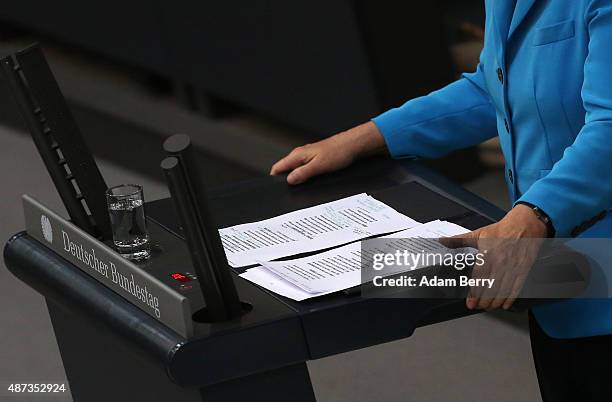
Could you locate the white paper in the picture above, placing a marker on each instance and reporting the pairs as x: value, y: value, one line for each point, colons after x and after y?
x: 263, y: 277
x: 311, y: 229
x: 340, y: 268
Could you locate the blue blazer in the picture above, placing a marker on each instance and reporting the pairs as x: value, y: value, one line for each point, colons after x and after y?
x: 544, y: 86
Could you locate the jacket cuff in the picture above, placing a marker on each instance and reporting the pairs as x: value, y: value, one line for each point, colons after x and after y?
x: 391, y: 125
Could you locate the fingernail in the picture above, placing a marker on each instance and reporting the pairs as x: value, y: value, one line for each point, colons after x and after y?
x: 470, y: 303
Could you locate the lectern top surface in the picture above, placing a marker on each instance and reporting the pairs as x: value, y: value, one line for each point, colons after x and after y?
x: 277, y: 331
x: 393, y: 183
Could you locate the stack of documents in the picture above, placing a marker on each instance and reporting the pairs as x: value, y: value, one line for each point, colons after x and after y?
x: 338, y: 223
x: 311, y: 229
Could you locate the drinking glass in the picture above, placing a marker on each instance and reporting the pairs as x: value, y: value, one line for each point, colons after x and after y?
x: 126, y: 210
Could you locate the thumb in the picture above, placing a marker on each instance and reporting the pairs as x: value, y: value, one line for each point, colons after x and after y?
x: 463, y: 240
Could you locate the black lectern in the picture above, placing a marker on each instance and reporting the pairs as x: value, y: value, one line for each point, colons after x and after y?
x: 113, y: 349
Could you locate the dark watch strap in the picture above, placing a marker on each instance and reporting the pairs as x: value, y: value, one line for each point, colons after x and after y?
x: 542, y: 216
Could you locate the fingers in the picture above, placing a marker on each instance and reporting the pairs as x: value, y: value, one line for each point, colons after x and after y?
x: 296, y: 158
x: 459, y: 241
x: 302, y: 164
x: 509, y: 281
x: 516, y: 289
x: 475, y: 293
x: 501, y: 293
x: 471, y: 302
x: 494, y: 296
x: 303, y: 173
x: 298, y: 163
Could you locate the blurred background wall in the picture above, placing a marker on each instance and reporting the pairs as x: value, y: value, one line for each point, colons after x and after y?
x: 250, y: 80
x: 317, y: 66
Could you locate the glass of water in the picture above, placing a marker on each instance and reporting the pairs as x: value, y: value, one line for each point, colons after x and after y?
x: 126, y: 210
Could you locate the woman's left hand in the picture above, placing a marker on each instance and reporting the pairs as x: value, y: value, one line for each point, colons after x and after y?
x: 511, y: 247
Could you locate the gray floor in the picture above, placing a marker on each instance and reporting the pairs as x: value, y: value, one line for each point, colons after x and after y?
x: 480, y: 358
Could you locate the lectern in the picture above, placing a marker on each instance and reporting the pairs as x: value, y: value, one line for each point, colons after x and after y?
x: 184, y: 326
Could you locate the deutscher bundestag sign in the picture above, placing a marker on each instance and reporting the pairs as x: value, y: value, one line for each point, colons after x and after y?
x: 108, y: 267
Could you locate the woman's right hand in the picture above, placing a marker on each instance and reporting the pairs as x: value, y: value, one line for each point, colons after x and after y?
x: 330, y: 154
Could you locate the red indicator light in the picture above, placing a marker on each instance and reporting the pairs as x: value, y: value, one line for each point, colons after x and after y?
x: 180, y: 277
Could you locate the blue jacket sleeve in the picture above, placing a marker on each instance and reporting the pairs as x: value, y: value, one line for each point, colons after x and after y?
x: 580, y: 183
x: 454, y: 117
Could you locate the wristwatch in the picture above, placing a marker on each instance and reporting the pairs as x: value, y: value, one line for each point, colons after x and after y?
x: 542, y: 216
